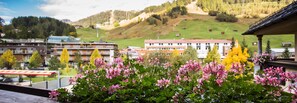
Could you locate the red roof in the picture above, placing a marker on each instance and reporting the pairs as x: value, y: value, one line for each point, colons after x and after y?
x: 189, y: 41
x: 26, y: 72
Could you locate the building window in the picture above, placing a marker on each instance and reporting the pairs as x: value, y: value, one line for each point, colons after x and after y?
x: 189, y: 44
x: 179, y: 43
x: 225, y: 43
x: 207, y: 47
x: 198, y: 48
x: 160, y: 43
x: 217, y: 44
x: 151, y: 43
x: 207, y: 43
x: 198, y: 43
x: 169, y: 43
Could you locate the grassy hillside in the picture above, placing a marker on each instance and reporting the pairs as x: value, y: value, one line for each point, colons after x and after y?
x: 190, y: 27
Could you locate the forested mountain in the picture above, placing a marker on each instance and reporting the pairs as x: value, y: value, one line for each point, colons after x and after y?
x: 37, y: 27
x: 244, y: 8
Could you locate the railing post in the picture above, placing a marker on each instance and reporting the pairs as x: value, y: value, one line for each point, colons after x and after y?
x: 59, y: 81
x: 260, y: 44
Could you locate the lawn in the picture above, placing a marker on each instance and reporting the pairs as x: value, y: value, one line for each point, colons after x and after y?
x: 191, y: 29
x: 72, y: 72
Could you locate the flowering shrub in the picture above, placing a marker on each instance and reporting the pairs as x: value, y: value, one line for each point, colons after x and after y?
x: 261, y: 59
x: 130, y: 81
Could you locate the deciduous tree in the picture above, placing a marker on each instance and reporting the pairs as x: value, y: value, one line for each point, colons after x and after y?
x: 35, y: 60
x: 64, y: 58
x: 95, y: 55
x: 8, y: 59
x: 213, y: 56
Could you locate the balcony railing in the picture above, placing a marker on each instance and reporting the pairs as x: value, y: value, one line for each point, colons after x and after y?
x: 286, y: 63
x: 26, y: 90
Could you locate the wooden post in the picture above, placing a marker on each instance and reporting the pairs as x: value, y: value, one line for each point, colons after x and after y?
x: 296, y: 47
x: 260, y: 44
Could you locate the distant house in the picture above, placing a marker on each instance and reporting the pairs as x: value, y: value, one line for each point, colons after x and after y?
x: 59, y: 39
x: 279, y: 51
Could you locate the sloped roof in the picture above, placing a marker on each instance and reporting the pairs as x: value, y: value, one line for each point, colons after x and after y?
x: 275, y: 18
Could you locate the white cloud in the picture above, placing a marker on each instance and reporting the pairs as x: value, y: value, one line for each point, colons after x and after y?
x: 6, y: 18
x: 78, y: 9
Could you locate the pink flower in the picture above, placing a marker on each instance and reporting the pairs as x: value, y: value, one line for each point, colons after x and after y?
x: 53, y: 94
x: 78, y: 76
x: 127, y: 72
x: 126, y: 80
x: 99, y: 62
x: 139, y: 59
x: 167, y: 65
x: 113, y: 88
x: 112, y: 72
x: 177, y: 79
x: 163, y: 83
x: 118, y: 60
x: 72, y: 80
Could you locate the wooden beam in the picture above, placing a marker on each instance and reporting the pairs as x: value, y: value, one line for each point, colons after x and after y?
x: 259, y: 44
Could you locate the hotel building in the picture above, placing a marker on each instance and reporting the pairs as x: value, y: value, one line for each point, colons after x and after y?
x: 201, y: 45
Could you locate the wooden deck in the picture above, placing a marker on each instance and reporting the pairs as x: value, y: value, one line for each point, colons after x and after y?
x: 15, y: 97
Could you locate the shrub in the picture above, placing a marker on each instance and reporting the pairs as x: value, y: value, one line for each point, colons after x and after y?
x: 213, y: 13
x: 157, y: 16
x: 174, y: 12
x: 130, y: 81
x: 224, y: 17
x: 152, y: 21
x: 164, y: 20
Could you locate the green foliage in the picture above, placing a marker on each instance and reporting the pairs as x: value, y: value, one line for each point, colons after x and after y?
x: 35, y: 60
x: 36, y: 27
x: 176, y: 11
x: 164, y: 20
x: 213, y: 56
x: 152, y: 21
x: 116, y: 24
x: 156, y: 58
x: 189, y: 54
x: 243, y: 8
x: 157, y: 16
x: 78, y: 60
x: 54, y: 64
x: 286, y: 54
x: 268, y: 49
x: 1, y: 24
x: 140, y: 86
x: 224, y: 17
x: 213, y: 13
x: 232, y: 42
x: 8, y: 59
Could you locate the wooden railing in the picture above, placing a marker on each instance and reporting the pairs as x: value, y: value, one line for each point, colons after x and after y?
x: 26, y: 90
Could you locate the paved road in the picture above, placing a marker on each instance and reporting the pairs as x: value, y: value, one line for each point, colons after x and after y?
x: 14, y: 97
x: 52, y: 84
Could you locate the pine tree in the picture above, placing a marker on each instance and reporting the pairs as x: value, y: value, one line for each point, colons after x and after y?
x: 78, y: 60
x: 268, y: 49
x: 233, y: 42
x: 286, y: 54
x: 8, y: 59
x: 54, y: 64
x: 64, y: 58
x: 35, y: 60
x: 213, y: 56
x: 244, y: 45
x: 94, y: 56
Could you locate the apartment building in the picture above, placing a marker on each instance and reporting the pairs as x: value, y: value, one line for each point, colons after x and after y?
x: 201, y: 45
x: 108, y: 51
x: 23, y: 49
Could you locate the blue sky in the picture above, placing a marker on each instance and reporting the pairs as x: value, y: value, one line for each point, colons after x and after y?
x: 68, y: 9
